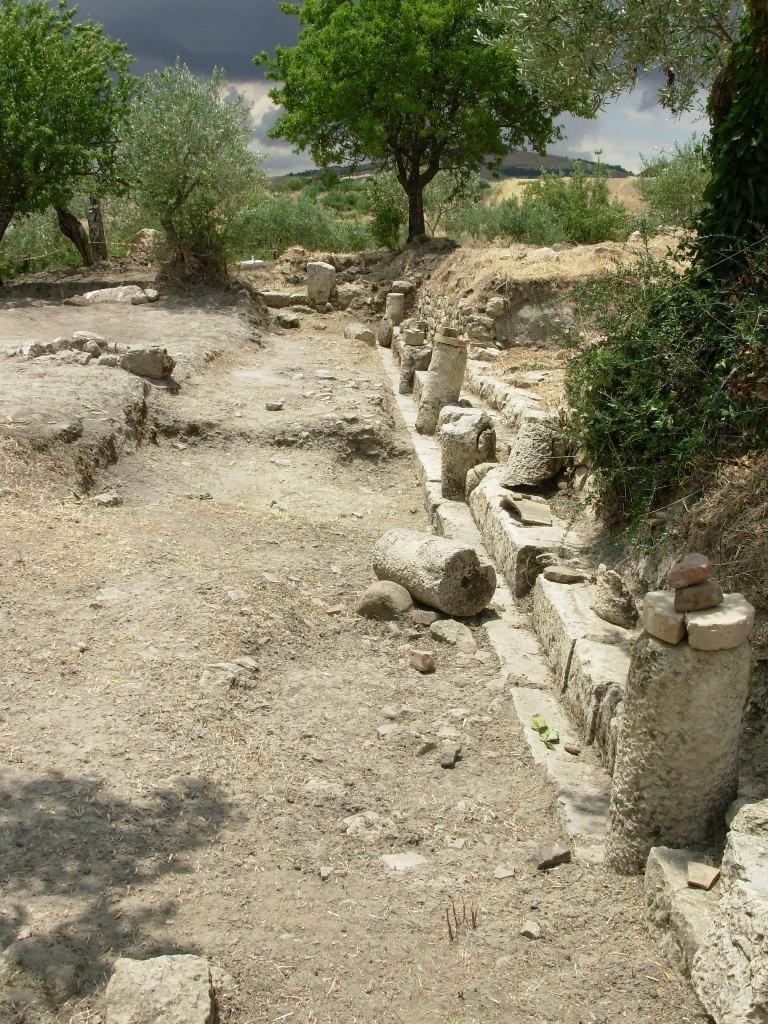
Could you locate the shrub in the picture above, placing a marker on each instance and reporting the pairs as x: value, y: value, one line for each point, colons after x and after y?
x: 673, y: 184
x: 445, y: 198
x: 271, y: 226
x: 582, y: 206
x: 679, y: 380
x: 34, y: 243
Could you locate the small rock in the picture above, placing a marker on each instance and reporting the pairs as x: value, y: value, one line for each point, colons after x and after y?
x: 455, y: 634
x: 702, y: 876
x: 698, y: 597
x: 403, y: 861
x: 531, y: 930
x: 107, y: 500
x: 325, y: 872
x: 107, y: 360
x: 450, y: 754
x: 612, y: 600
x: 546, y: 857
x: 565, y: 574
x: 422, y: 661
x: 660, y: 618
x: 154, y: 362
x: 502, y: 872
x: 425, y: 747
x: 693, y: 568
x: 359, y: 332
x: 172, y: 989
x: 571, y: 748
x: 384, y: 600
x: 423, y: 617
x: 274, y: 406
x: 387, y: 730
x: 288, y: 320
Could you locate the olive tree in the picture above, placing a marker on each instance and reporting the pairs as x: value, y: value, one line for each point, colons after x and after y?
x: 64, y: 94
x: 409, y: 85
x: 186, y: 156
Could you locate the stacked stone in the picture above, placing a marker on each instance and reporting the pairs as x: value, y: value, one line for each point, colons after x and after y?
x: 415, y: 354
x: 697, y: 607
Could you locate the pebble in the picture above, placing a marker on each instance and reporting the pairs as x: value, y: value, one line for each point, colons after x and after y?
x: 545, y: 857
x: 455, y: 634
x: 450, y: 754
x: 531, y: 930
x: 107, y: 500
x: 387, y: 730
x: 422, y: 661
x: 502, y: 872
x: 423, y: 617
x: 425, y: 747
x: 274, y: 406
x: 692, y: 569
x: 571, y: 748
x: 325, y: 872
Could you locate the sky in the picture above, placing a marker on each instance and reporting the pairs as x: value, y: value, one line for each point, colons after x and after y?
x: 227, y: 33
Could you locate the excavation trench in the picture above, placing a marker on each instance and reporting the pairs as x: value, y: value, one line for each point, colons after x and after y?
x: 162, y: 796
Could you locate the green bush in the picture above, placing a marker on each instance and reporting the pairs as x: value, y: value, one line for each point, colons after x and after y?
x: 34, y: 243
x: 582, y: 206
x: 679, y: 380
x: 673, y: 184
x: 447, y: 198
x: 270, y: 227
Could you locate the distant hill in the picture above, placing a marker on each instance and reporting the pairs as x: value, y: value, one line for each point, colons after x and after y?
x: 516, y: 164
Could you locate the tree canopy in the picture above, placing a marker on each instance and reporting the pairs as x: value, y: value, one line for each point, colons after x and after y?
x: 64, y: 91
x: 186, y: 156
x: 409, y: 85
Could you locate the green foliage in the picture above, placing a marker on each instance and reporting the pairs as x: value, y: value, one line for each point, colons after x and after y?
x: 33, y: 243
x: 444, y: 197
x: 63, y: 94
x: 389, y: 210
x: 673, y: 184
x: 679, y: 379
x: 269, y: 227
x: 187, y: 156
x: 408, y: 85
x: 735, y: 216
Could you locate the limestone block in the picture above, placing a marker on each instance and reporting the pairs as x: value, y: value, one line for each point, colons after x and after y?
x: 563, y: 615
x: 612, y: 601
x: 384, y: 331
x: 676, y: 768
x: 536, y: 455
x: 660, y: 618
x: 171, y: 989
x: 437, y: 572
x: 148, y: 362
x: 730, y: 970
x: 595, y: 668
x: 413, y: 336
x: 276, y: 300
x: 721, y: 628
x: 359, y: 332
x: 496, y: 307
x: 411, y: 360
x: 467, y: 438
x: 677, y: 916
x: 513, y: 547
x: 394, y: 305
x: 691, y: 569
x: 321, y: 280
x: 122, y: 293
x: 443, y: 385
x: 403, y: 285
x: 476, y: 475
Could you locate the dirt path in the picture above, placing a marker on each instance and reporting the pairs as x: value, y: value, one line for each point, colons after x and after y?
x: 152, y: 802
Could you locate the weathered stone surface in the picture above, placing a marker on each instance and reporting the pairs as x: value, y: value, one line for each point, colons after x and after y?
x: 443, y: 384
x: 596, y: 669
x: 660, y: 618
x: 514, y: 548
x: 384, y: 600
x: 730, y: 970
x: 413, y: 336
x: 411, y: 361
x: 681, y: 719
x: 404, y: 861
x: 691, y: 569
x: 528, y: 511
x: 698, y: 597
x: 566, y: 574
x: 84, y: 340
x: 277, y: 300
x: 384, y: 331
x: 467, y: 439
x: 359, y: 332
x: 678, y: 917
x: 123, y: 293
x: 721, y: 628
x: 321, y: 280
x: 423, y: 617
x: 546, y: 857
x: 496, y: 307
x: 402, y: 285
x: 290, y: 321
x: 450, y: 755
x: 422, y: 661
x: 394, y: 305
x: 536, y: 455
x: 455, y: 634
x: 612, y: 601
x: 148, y: 362
x: 440, y: 573
x: 475, y: 476
x: 167, y: 989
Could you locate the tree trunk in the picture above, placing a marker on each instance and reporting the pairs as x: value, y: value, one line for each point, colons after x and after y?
x: 417, y: 230
x: 96, y: 230
x: 6, y: 216
x: 71, y: 227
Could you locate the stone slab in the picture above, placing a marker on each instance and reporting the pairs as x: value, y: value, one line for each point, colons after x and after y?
x: 512, y: 404
x: 678, y: 917
x: 563, y: 615
x: 515, y: 548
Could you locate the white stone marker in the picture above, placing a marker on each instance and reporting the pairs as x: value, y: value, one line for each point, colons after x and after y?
x: 721, y: 628
x: 394, y: 305
x: 321, y: 280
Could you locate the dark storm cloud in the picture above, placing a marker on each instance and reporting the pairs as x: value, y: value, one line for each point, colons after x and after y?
x: 203, y: 33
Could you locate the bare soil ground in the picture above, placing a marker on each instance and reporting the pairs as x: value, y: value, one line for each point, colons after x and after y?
x: 153, y: 802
